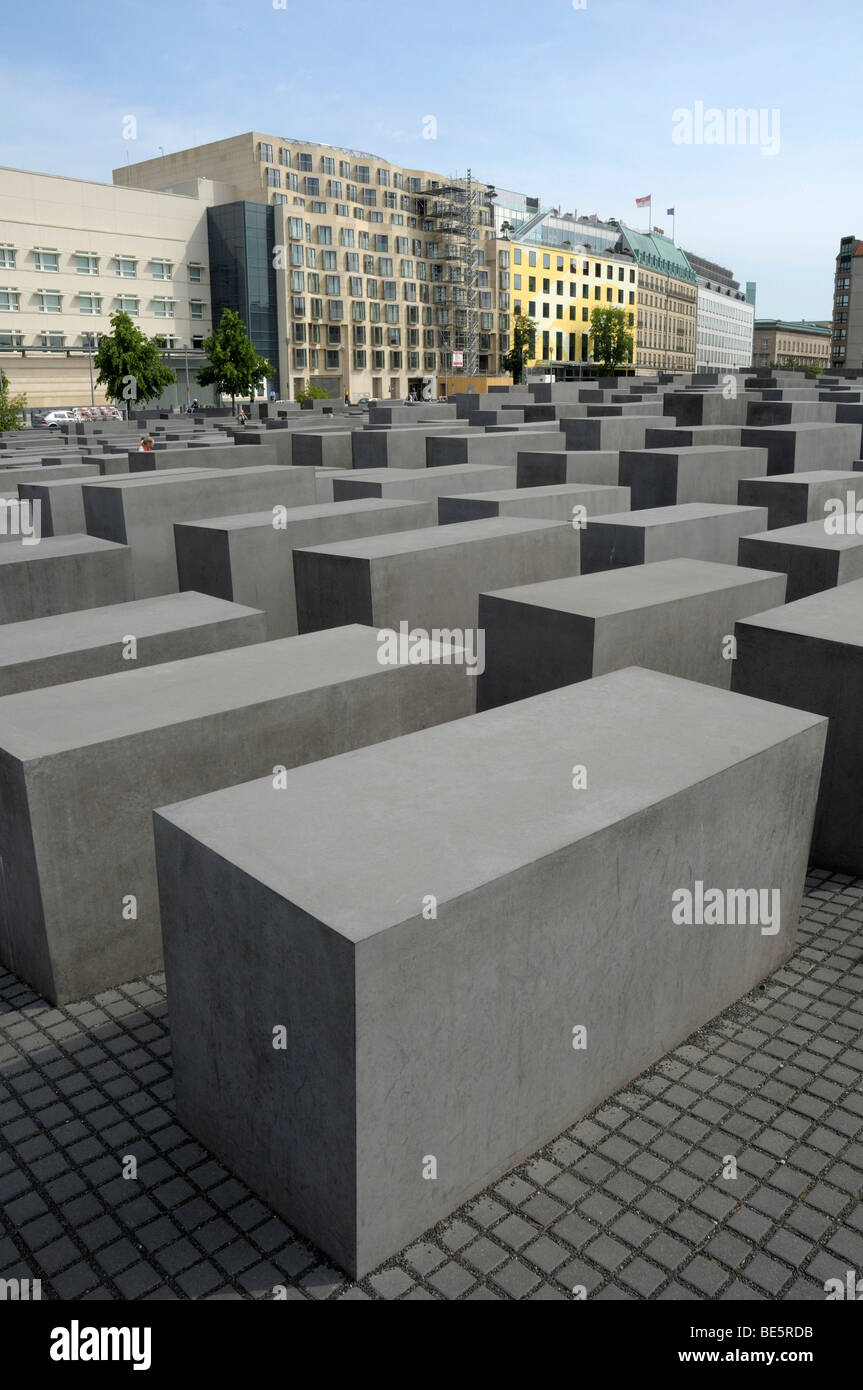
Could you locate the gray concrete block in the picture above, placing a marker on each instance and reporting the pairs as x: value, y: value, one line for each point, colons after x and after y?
x: 431, y: 578
x: 95, y: 641
x: 803, y: 448
x: 417, y: 485
x: 502, y: 447
x: 794, y: 498
x: 789, y: 413
x: 691, y: 530
x: 410, y: 1039
x: 704, y: 473
x: 809, y: 655
x: 674, y: 616
x: 203, y: 456
x: 327, y: 449
x: 395, y: 448
x: 544, y: 503
x: 626, y: 432
x: 705, y: 407
x: 811, y: 556
x: 685, y: 437
x: 118, y: 746
x: 61, y: 503
x: 246, y: 559
x: 554, y: 469
x: 62, y: 574
x: 141, y: 511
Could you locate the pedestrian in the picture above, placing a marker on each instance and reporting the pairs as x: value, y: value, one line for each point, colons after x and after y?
x: 241, y: 417
x: 272, y: 396
x: 347, y: 398
x: 195, y: 403
x: 146, y: 445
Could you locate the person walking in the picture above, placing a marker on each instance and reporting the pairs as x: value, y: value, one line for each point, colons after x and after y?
x: 146, y: 445
x: 241, y: 417
x: 347, y: 398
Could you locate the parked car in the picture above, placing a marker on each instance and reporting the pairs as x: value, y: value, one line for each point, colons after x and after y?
x: 54, y: 419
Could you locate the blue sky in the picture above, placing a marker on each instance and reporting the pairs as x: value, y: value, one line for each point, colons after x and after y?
x: 573, y: 105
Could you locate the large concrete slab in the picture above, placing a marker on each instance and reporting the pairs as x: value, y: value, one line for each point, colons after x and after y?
x: 141, y: 511
x: 812, y: 556
x: 554, y: 469
x: 568, y: 502
x: 83, y: 766
x: 809, y: 655
x: 398, y: 447
x: 687, y: 437
x: 431, y: 578
x: 675, y: 616
x: 497, y: 447
x: 61, y: 503
x: 693, y: 530
x: 703, y: 473
x: 424, y: 1058
x: 421, y: 485
x: 247, y: 559
x: 705, y: 407
x: 626, y: 432
x: 767, y: 413
x: 62, y: 574
x: 96, y: 641
x: 792, y: 499
x: 802, y: 448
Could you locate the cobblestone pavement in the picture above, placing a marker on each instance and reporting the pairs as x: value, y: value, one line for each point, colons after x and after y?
x: 629, y: 1203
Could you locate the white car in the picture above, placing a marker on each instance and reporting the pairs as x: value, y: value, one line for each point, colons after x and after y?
x: 54, y: 419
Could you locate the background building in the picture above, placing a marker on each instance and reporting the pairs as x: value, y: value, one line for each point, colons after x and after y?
x: 385, y: 278
x: 73, y: 252
x: 847, y: 324
x: 724, y: 319
x: 668, y: 300
x: 558, y: 289
x: 783, y: 342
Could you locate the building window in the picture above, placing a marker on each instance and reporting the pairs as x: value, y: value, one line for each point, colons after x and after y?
x: 197, y: 308
x: 162, y: 270
x: 312, y: 187
x: 305, y: 163
x: 265, y: 152
x: 53, y: 340
x: 46, y: 260
x: 163, y: 308
x: 49, y: 303
x: 7, y: 258
x: 85, y: 264
x: 9, y: 301
x: 90, y: 303
x: 126, y: 267
x: 274, y: 178
x: 285, y: 156
x: 299, y: 357
x: 128, y: 304
x: 337, y: 309
x: 195, y: 272
x: 363, y: 173
x: 10, y: 340
x: 325, y: 236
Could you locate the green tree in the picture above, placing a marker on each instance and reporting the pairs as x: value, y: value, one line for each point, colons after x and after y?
x: 128, y: 364
x: 611, y: 339
x: 523, y: 339
x: 307, y: 394
x: 233, y: 366
x: 10, y: 406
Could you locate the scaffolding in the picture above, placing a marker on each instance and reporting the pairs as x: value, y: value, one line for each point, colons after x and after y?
x: 457, y: 211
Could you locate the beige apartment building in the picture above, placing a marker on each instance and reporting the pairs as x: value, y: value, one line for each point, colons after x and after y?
x: 72, y: 252
x: 385, y: 278
x: 781, y: 342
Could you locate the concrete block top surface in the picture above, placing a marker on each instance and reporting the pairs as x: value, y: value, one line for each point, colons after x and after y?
x: 433, y: 537
x: 54, y: 719
x: 241, y: 521
x: 682, y: 511
x: 92, y: 627
x: 356, y: 840
x: 53, y: 547
x: 513, y: 494
x: 833, y: 615
x: 635, y: 586
x: 818, y: 475
x: 809, y: 535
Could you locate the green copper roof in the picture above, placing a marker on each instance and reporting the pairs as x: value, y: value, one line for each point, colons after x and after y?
x: 794, y: 326
x: 658, y: 253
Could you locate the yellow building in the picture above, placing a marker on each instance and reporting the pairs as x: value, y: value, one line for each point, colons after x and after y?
x: 558, y: 289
